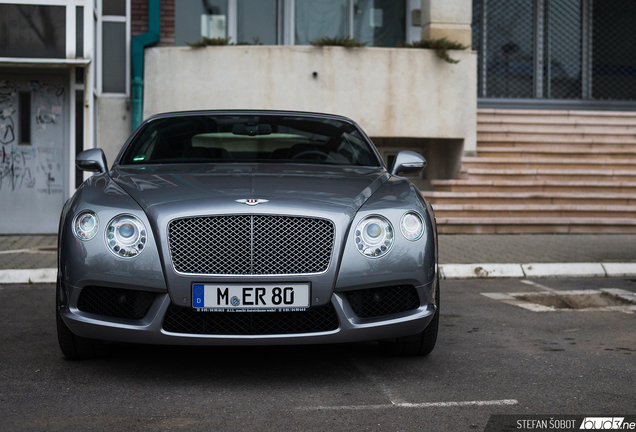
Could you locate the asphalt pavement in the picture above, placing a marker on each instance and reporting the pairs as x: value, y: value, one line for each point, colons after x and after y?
x: 491, y: 358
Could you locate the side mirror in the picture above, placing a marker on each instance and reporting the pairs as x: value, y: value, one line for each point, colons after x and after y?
x: 92, y: 160
x: 408, y: 162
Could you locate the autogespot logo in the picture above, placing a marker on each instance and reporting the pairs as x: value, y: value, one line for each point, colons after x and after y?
x: 606, y: 423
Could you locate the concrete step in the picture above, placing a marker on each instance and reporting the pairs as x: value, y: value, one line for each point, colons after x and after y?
x: 556, y: 128
x: 537, y: 137
x: 557, y: 152
x: 533, y: 211
x: 530, y: 198
x: 490, y: 119
x: 556, y: 116
x: 548, y: 174
x: 535, y: 226
x: 544, y: 171
x: 527, y: 163
x: 533, y: 186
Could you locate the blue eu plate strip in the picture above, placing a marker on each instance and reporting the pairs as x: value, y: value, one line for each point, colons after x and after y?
x: 198, y: 293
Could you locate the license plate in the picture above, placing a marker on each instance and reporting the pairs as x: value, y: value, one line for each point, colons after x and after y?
x: 241, y: 297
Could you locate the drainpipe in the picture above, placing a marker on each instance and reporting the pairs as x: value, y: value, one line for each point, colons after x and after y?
x: 139, y: 42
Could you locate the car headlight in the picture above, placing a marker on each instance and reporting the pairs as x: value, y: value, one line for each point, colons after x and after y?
x: 411, y: 226
x: 126, y: 236
x: 85, y: 225
x: 374, y: 236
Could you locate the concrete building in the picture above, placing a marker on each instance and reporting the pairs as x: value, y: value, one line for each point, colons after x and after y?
x: 76, y: 74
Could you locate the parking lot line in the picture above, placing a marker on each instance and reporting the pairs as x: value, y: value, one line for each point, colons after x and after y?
x: 412, y: 405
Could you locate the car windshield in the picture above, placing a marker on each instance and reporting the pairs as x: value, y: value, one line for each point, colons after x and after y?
x: 249, y: 138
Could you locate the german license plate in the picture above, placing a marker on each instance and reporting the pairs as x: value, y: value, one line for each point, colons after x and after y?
x: 259, y: 297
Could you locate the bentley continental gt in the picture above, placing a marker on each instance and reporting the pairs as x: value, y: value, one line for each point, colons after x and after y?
x: 247, y: 228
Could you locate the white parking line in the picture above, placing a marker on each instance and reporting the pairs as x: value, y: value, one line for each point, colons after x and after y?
x: 368, y: 372
x: 412, y: 405
x: 14, y: 251
x: 543, y: 287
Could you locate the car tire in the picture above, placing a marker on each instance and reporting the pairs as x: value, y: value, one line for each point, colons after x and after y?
x: 420, y: 344
x: 75, y: 347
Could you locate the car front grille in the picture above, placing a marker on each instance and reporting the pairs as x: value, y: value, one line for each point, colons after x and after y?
x: 115, y: 302
x: 375, y: 302
x: 187, y: 320
x: 250, y: 244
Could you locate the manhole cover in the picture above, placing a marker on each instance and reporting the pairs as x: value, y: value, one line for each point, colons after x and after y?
x: 606, y: 299
x: 574, y: 301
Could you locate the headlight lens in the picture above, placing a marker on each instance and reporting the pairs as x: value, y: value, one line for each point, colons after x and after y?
x: 374, y: 236
x: 85, y: 225
x: 411, y: 226
x: 126, y: 236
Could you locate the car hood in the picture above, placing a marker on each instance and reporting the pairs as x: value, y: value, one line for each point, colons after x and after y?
x: 197, y: 186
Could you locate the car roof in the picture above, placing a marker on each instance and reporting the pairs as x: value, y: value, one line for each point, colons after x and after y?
x: 307, y: 114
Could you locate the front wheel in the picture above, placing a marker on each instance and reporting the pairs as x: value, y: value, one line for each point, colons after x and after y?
x: 420, y: 344
x: 75, y: 347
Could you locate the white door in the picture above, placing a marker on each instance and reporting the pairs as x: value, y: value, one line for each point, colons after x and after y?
x: 34, y: 114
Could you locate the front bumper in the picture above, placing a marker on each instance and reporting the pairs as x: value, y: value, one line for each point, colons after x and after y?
x: 150, y: 328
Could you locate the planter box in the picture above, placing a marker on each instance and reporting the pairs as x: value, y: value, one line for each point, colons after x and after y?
x: 390, y: 92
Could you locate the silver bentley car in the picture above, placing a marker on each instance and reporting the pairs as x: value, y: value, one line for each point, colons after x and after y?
x: 247, y: 228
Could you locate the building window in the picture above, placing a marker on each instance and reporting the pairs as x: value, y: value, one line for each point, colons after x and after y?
x: 292, y: 22
x: 32, y: 31
x: 114, y: 57
x: 379, y: 22
x: 257, y: 21
x: 194, y: 19
x: 315, y: 19
x: 114, y: 46
x: 24, y: 106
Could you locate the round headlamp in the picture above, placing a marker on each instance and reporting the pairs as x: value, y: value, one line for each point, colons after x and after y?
x: 374, y: 236
x: 411, y: 226
x: 85, y: 225
x: 126, y: 236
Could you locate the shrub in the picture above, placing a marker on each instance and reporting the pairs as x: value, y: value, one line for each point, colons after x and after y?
x: 204, y: 41
x: 347, y: 42
x: 441, y: 47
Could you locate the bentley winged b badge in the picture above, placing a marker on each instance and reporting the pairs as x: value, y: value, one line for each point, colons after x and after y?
x: 251, y: 201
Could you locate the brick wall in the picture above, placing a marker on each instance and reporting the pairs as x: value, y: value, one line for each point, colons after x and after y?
x: 139, y: 20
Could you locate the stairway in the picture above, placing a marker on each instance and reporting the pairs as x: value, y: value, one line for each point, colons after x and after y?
x: 540, y: 171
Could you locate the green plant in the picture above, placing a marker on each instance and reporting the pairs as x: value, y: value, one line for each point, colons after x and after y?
x: 205, y: 41
x: 342, y: 41
x: 441, y: 47
x: 255, y: 41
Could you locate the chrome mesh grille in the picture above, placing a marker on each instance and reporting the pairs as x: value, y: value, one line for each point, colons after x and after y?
x: 250, y: 244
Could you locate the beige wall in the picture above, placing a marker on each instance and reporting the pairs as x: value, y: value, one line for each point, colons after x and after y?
x: 390, y: 92
x: 447, y: 18
x: 113, y: 125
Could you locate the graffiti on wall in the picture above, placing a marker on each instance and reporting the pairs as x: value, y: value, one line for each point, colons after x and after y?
x: 38, y: 165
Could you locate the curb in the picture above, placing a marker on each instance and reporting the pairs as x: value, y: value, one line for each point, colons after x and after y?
x: 536, y: 270
x: 447, y: 271
x: 44, y: 275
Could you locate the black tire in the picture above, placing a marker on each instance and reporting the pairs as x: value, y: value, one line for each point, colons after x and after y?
x: 75, y: 347
x: 420, y: 344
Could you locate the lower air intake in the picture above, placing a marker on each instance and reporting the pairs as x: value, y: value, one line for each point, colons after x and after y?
x: 376, y: 302
x: 115, y: 302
